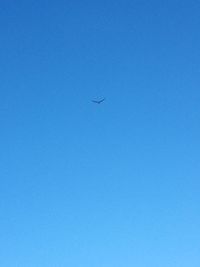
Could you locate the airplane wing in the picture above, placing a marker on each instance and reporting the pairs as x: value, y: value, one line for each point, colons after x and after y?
x: 98, y: 101
x: 101, y: 100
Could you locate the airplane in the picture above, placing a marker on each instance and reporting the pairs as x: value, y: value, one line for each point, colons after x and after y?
x: 98, y: 101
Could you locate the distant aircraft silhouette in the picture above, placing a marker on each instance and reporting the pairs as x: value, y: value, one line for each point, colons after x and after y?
x: 98, y: 101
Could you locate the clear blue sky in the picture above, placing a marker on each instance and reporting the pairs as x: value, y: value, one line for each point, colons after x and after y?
x: 110, y: 185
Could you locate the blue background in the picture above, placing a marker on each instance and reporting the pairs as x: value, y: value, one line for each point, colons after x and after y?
x: 108, y: 185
